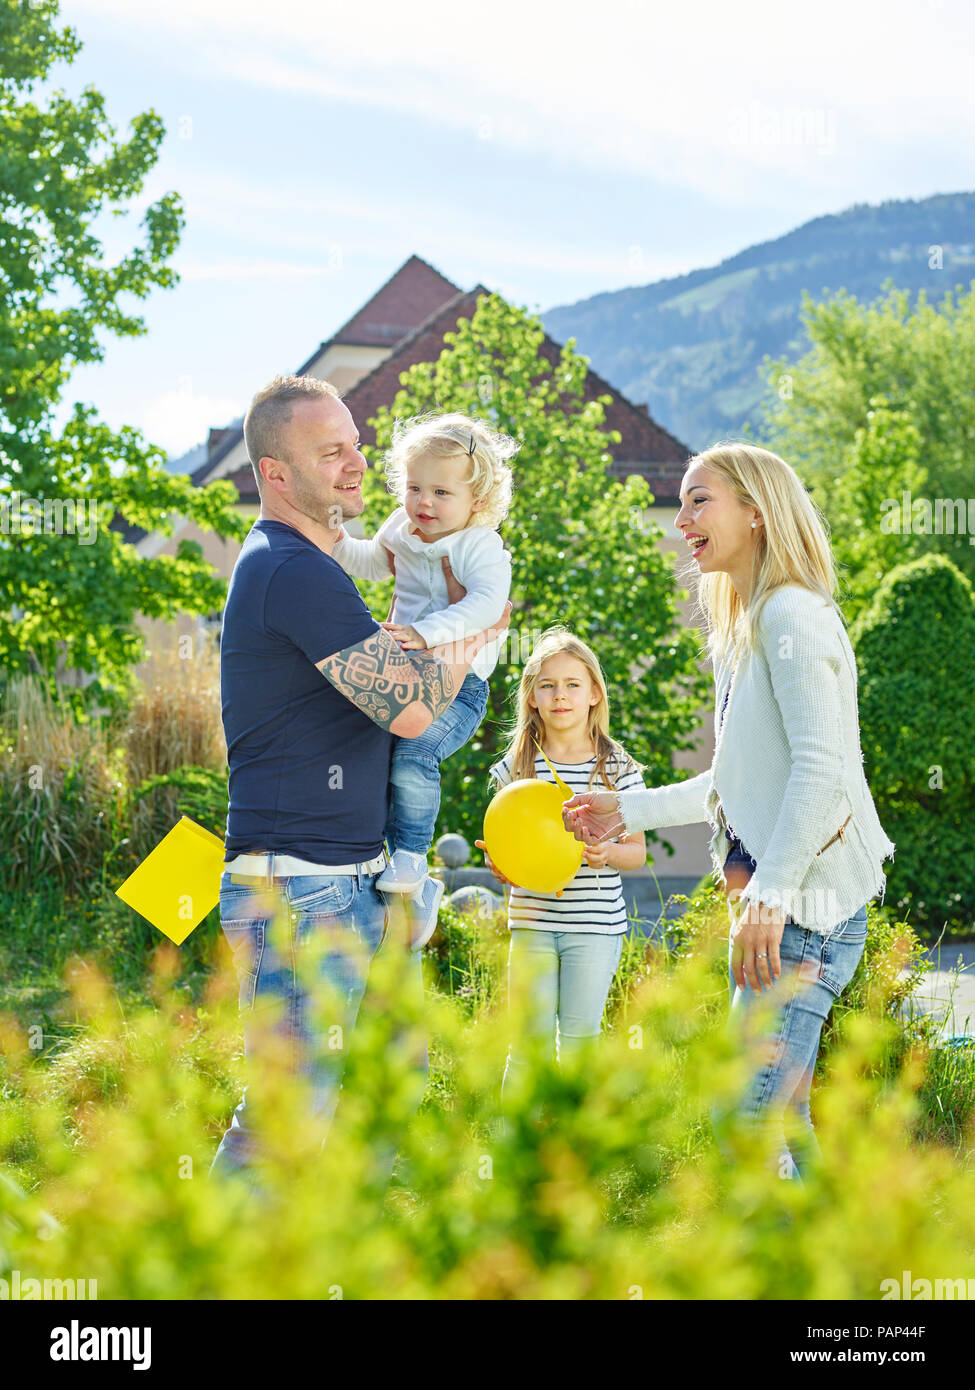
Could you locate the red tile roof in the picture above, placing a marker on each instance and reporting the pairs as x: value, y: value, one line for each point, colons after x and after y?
x: 645, y: 447
x: 408, y: 298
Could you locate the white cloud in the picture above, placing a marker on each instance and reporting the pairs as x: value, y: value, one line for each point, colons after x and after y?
x: 177, y: 420
x: 704, y: 96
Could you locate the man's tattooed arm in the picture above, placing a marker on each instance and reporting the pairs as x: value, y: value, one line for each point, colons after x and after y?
x: 403, y: 692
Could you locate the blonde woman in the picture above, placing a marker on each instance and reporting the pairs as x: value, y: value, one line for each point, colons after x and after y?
x: 796, y: 838
x: 565, y: 947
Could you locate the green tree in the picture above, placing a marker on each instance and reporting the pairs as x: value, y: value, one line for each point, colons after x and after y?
x: 71, y: 583
x: 868, y: 536
x: 583, y: 552
x: 915, y: 650
x: 919, y: 358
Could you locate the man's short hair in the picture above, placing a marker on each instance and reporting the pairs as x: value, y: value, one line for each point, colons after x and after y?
x: 267, y: 419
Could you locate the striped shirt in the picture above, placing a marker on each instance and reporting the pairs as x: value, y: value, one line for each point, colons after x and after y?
x: 593, y: 901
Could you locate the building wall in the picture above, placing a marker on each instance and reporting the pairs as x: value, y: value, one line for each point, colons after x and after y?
x: 343, y: 364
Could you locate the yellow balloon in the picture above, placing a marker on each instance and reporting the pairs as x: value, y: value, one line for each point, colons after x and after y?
x: 526, y: 838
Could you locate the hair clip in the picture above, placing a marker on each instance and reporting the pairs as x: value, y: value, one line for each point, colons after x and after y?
x: 471, y: 449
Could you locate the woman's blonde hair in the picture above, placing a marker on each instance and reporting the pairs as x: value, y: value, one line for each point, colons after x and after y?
x: 456, y: 436
x: 792, y: 547
x: 528, y: 729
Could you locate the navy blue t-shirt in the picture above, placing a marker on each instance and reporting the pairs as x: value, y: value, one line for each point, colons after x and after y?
x: 309, y: 773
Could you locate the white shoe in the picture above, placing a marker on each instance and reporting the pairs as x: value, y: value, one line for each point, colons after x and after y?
x: 404, y: 873
x: 423, y: 909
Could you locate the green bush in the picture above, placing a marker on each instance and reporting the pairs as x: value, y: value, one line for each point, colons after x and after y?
x: 915, y: 649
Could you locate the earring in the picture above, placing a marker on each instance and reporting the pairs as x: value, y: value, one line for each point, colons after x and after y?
x: 753, y: 525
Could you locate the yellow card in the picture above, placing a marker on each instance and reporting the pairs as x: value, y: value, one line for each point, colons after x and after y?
x: 178, y: 883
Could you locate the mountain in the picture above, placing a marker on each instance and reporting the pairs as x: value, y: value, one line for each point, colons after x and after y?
x: 690, y: 347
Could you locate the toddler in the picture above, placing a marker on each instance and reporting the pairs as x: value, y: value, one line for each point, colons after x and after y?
x: 450, y: 475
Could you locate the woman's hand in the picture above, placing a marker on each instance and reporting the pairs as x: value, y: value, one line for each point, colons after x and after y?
x: 755, y: 949
x: 592, y: 816
x: 493, y: 867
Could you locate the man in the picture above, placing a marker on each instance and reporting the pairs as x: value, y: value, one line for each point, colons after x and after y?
x: 313, y: 690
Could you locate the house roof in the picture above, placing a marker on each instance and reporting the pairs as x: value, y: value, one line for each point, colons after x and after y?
x: 644, y: 447
x: 408, y: 297
x: 410, y: 314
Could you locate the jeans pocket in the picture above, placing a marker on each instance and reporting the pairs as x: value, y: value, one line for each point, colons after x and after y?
x: 329, y: 895
x: 245, y: 937
x: 842, y: 951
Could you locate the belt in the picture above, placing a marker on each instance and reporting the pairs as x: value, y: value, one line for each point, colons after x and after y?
x: 838, y: 836
x: 266, y: 866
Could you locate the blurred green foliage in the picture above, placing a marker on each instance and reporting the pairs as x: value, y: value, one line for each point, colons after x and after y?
x: 604, y: 1182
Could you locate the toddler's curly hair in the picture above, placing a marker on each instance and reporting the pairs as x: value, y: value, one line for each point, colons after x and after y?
x: 448, y: 436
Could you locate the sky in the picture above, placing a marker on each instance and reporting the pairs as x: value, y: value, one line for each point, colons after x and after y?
x: 547, y: 152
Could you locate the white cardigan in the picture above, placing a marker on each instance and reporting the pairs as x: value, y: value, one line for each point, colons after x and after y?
x: 787, y: 770
x: 478, y: 559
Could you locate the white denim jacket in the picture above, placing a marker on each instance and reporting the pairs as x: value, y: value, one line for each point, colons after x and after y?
x: 478, y: 559
x: 787, y: 770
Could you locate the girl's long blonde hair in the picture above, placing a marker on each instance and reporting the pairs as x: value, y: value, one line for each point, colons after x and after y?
x: 793, y: 544
x: 528, y: 728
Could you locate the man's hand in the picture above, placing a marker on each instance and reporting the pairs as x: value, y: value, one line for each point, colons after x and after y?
x: 455, y: 590
x: 755, y: 951
x: 408, y: 637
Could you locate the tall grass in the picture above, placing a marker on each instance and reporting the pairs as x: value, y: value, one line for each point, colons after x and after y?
x: 61, y: 790
x: 175, y: 719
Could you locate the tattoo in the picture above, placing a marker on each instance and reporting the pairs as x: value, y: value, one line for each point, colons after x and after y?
x: 382, y: 680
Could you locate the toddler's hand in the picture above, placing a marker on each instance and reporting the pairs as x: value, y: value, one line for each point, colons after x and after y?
x: 408, y: 637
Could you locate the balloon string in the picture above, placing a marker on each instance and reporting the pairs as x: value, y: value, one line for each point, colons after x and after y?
x: 566, y: 788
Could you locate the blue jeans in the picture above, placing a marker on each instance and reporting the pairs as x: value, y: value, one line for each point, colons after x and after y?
x: 567, y: 976
x: 337, y: 922
x: 815, y: 971
x: 415, y: 773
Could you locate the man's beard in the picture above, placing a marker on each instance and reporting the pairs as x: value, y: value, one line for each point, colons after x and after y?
x: 328, y: 512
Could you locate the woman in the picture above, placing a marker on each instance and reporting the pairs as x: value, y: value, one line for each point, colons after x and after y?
x: 797, y: 841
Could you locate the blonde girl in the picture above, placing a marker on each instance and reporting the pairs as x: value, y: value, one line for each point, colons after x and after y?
x: 565, y: 950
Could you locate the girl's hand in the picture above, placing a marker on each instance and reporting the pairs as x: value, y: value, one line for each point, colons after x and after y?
x: 592, y: 816
x: 479, y: 844
x: 408, y: 637
x: 596, y: 856
x: 755, y: 950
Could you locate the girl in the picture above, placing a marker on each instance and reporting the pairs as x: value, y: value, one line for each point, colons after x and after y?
x: 454, y: 486
x: 564, y: 950
x: 796, y: 837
